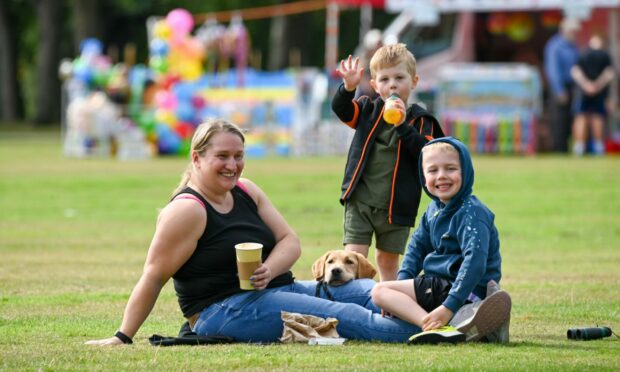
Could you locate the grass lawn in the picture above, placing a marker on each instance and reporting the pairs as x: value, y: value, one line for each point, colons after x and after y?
x: 74, y: 235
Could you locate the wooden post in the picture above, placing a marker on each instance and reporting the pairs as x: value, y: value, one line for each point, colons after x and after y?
x: 331, y: 36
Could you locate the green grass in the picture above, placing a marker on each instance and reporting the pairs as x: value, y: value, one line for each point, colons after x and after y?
x: 74, y: 234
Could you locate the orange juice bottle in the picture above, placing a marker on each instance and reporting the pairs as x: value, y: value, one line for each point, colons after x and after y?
x: 391, y: 114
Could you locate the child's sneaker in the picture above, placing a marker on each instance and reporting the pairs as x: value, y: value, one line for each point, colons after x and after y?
x: 501, y: 335
x: 445, y: 334
x: 490, y: 315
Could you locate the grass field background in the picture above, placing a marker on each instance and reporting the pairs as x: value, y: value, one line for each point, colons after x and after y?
x: 74, y: 235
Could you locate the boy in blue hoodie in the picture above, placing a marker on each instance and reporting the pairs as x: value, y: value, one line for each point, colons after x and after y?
x: 457, y: 246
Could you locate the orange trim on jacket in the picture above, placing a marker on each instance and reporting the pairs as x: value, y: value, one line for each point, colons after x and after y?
x: 353, y: 122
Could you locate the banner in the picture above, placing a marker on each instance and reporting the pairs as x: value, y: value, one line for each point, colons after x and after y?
x: 495, y: 5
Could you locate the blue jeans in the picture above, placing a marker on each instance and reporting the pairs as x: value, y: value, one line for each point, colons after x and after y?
x: 254, y: 316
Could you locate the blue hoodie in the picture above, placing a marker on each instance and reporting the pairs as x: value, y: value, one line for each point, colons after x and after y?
x: 458, y: 241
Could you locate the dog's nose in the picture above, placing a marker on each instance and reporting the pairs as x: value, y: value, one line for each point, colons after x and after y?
x: 336, y: 271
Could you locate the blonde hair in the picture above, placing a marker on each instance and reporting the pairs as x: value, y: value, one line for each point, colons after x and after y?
x: 440, y: 147
x: 390, y: 56
x: 202, y: 140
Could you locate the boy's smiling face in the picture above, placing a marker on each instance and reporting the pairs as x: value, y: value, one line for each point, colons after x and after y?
x: 395, y: 79
x: 442, y: 173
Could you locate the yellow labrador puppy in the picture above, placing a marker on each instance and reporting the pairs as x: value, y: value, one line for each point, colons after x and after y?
x: 339, y: 267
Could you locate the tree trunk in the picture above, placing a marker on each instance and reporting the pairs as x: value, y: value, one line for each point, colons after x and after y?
x: 49, y: 17
x: 88, y: 18
x: 10, y: 93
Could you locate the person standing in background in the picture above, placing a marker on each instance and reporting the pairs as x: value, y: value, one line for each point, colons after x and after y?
x: 561, y: 54
x: 592, y: 74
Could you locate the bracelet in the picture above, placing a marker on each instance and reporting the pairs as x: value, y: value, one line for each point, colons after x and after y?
x: 123, y: 337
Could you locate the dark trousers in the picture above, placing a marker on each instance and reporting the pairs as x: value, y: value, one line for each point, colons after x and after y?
x: 561, y: 123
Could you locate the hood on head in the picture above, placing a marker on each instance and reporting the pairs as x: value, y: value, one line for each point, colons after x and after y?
x: 467, y: 170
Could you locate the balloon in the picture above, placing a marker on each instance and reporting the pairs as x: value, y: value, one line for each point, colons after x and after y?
x: 168, y: 143
x: 158, y: 64
x: 166, y: 100
x: 198, y: 102
x: 91, y: 46
x: 184, y: 130
x: 161, y: 30
x: 184, y: 92
x: 82, y: 71
x: 100, y: 78
x: 146, y: 120
x: 190, y: 70
x: 194, y: 49
x: 185, y: 112
x: 159, y: 47
x: 168, y: 81
x: 164, y: 117
x: 180, y: 21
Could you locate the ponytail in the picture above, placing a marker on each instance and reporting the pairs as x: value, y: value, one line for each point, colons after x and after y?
x: 184, y: 180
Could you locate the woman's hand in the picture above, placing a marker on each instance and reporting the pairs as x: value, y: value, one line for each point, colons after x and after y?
x: 112, y: 341
x: 350, y: 72
x: 261, y: 277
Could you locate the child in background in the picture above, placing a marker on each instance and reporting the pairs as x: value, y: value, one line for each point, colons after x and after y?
x: 381, y: 190
x: 457, y: 246
x: 593, y: 74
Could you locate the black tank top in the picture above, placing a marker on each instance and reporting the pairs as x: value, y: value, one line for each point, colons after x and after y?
x: 210, y: 274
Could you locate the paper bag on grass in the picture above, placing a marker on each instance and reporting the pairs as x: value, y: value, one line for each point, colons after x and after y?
x: 302, y: 327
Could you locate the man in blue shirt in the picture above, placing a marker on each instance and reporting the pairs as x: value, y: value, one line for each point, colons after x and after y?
x: 561, y: 55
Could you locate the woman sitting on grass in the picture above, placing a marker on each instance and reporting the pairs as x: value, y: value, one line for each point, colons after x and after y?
x: 211, y: 211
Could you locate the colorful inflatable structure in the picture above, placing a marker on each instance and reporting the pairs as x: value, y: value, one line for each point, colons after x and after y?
x: 493, y: 108
x: 187, y: 80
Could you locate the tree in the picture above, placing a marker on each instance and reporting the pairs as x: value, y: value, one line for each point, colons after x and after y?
x: 47, y: 99
x: 88, y: 21
x: 10, y: 92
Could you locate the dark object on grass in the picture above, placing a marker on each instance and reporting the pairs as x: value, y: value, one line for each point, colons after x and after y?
x: 157, y: 340
x: 187, y: 337
x: 593, y: 333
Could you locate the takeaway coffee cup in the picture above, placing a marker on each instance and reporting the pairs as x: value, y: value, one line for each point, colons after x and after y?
x: 248, y: 260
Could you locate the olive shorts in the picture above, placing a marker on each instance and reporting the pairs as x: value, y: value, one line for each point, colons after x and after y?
x: 362, y: 221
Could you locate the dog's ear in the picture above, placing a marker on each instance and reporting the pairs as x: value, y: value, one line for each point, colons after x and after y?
x: 318, y: 268
x: 365, y: 269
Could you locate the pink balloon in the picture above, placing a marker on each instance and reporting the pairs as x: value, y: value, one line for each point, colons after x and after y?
x: 166, y: 100
x: 180, y: 21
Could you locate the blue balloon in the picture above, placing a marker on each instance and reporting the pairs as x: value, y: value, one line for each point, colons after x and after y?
x: 91, y: 46
x: 83, y: 72
x: 159, y: 47
x: 184, y: 91
x: 168, y: 143
x: 185, y: 112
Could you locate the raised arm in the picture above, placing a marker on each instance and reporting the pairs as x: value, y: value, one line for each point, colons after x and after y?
x: 351, y: 73
x: 287, y: 249
x: 179, y: 226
